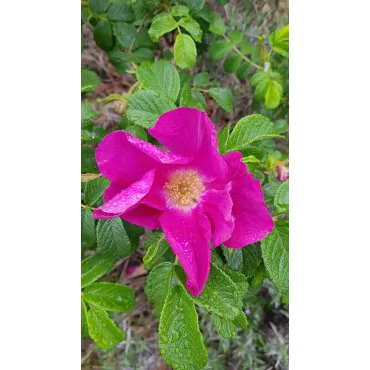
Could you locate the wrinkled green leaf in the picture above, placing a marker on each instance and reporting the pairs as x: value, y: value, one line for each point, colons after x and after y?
x: 88, y: 237
x: 162, y: 23
x: 225, y: 327
x: 179, y: 10
x: 103, y: 35
x: 119, y: 59
x: 192, y: 27
x: 125, y: 34
x: 120, y: 12
x: 201, y: 79
x: 84, y: 328
x: 232, y: 63
x: 220, y: 49
x: 281, y: 201
x: 180, y: 341
x: 223, y: 138
x: 95, y: 189
x: 99, y: 6
x: 156, y: 246
x: 188, y: 100
x: 95, y: 266
x: 217, y: 25
x: 185, y: 51
x: 89, y: 80
x: 223, y: 97
x: 246, y: 260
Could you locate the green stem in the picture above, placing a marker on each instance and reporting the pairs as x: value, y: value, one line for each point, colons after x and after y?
x: 169, y: 13
x: 197, y: 89
x: 87, y: 207
x: 242, y: 55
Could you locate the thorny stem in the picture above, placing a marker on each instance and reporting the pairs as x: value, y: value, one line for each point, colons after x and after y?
x: 242, y: 55
x: 87, y: 207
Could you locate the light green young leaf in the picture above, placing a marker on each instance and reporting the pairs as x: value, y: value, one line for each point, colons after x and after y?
x: 192, y: 27
x: 240, y: 320
x: 223, y: 138
x: 103, y: 35
x: 89, y: 80
x: 223, y: 97
x: 246, y: 260
x: 110, y: 296
x: 145, y: 107
x: 232, y: 63
x: 220, y: 49
x: 279, y: 41
x: 281, y: 201
x: 125, y: 34
x: 112, y: 237
x: 250, y: 129
x: 239, y: 280
x: 102, y: 329
x: 185, y: 51
x: 158, y: 285
x: 162, y: 23
x: 275, y: 253
x: 88, y: 238
x: 84, y: 328
x: 201, y: 79
x: 179, y: 10
x: 95, y: 266
x: 258, y: 77
x: 161, y: 77
x: 95, y: 189
x: 180, y: 341
x: 217, y: 25
x: 220, y: 294
x: 156, y: 246
x: 273, y: 94
x: 236, y: 37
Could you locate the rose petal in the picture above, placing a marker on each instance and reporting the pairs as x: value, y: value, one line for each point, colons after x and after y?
x: 126, y: 198
x: 190, y: 133
x: 189, y: 234
x: 218, y: 206
x: 252, y: 219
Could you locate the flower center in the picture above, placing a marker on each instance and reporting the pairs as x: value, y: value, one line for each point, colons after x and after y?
x: 184, y: 188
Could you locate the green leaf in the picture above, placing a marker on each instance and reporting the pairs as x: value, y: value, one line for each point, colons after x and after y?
x: 250, y: 159
x: 192, y: 27
x: 245, y: 48
x: 103, y: 35
x: 120, y: 12
x: 279, y: 41
x: 187, y: 99
x: 223, y: 97
x: 138, y: 132
x: 89, y: 80
x: 258, y: 77
x: 250, y: 129
x: 119, y: 59
x: 240, y: 320
x: 239, y: 279
x: 246, y: 260
x: 162, y: 23
x: 88, y: 163
x: 84, y: 328
x: 143, y: 40
x: 194, y: 5
x: 220, y: 294
x: 281, y: 201
x: 158, y: 285
x: 281, y: 126
x: 185, y: 51
x: 125, y: 34
x: 134, y: 232
x: 95, y: 189
x: 275, y: 253
x: 225, y: 327
x: 88, y: 238
x: 232, y: 63
x: 112, y: 237
x: 201, y: 79
x: 95, y: 266
x: 220, y: 49
x: 236, y: 37
x: 99, y: 6
x: 179, y: 10
x: 102, y: 329
x: 244, y: 70
x: 273, y: 94
x: 161, y: 77
x: 142, y: 55
x: 259, y: 277
x: 156, y: 246
x: 110, y: 296
x: 87, y: 113
x: 223, y: 137
x: 145, y: 107
x: 261, y: 90
x: 217, y: 25
x: 180, y: 341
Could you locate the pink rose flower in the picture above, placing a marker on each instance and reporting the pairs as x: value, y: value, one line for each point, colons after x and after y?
x: 196, y: 195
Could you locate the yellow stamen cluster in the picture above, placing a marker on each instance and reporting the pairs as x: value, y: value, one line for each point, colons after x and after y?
x: 184, y: 188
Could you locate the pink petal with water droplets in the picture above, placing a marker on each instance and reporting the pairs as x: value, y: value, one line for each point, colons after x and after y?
x: 189, y: 234
x: 127, y: 198
x: 218, y: 206
x: 252, y: 219
x: 190, y: 133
